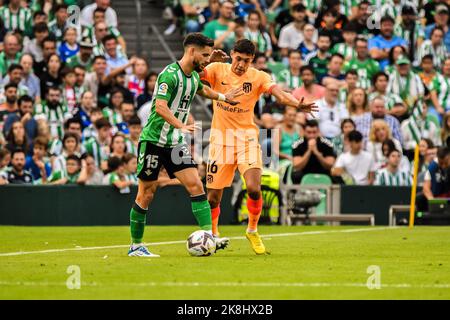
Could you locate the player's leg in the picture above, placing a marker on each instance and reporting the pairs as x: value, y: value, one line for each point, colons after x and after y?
x: 148, y: 169
x: 214, y: 199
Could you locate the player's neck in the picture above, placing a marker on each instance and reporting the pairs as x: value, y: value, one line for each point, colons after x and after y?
x: 186, y: 66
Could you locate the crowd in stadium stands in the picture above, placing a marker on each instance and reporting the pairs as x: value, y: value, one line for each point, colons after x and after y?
x: 73, y: 103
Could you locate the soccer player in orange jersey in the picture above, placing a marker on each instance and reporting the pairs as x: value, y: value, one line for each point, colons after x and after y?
x: 234, y: 134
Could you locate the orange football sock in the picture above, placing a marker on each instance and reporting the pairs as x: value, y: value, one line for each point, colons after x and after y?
x: 254, y: 212
x: 215, y: 213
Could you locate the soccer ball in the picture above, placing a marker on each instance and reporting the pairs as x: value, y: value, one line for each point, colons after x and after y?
x: 201, y: 243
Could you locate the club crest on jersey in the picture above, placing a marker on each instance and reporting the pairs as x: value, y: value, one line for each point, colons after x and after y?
x: 247, y: 87
x: 162, y: 90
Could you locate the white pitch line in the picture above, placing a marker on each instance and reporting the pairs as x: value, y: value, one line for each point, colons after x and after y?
x: 229, y: 284
x: 19, y: 253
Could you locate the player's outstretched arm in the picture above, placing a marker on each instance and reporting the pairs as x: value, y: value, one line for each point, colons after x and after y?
x: 288, y: 99
x: 228, y: 97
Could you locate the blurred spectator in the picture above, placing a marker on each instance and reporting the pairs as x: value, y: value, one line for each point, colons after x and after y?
x: 147, y: 94
x: 391, y: 175
x: 53, y: 111
x: 15, y: 73
x: 440, y: 89
x: 347, y: 47
x: 70, y: 144
x: 16, y: 174
x: 25, y: 115
x: 341, y: 143
x: 357, y: 104
x: 34, y: 46
x: 380, y: 45
x: 283, y: 18
x: 320, y: 58
x: 130, y: 161
x: 51, y: 77
x: 350, y: 82
x: 377, y: 111
x: 98, y: 145
x: 10, y: 54
x: 69, y: 174
x: 234, y: 33
x: 118, y: 148
x: 379, y: 133
x: 58, y: 25
x: 69, y: 47
x: 365, y: 66
x: 434, y: 47
x: 135, y: 129
x: 331, y: 112
x: 17, y: 138
x: 17, y: 17
x: 37, y: 164
x: 112, y: 112
x: 394, y: 104
x: 308, y: 45
x: 110, y: 14
x: 256, y: 33
x: 445, y: 132
x: 80, y: 74
x: 356, y: 163
x: 361, y: 16
x: 83, y: 57
x: 29, y: 78
x: 84, y: 108
x: 117, y: 176
x: 441, y: 19
x: 10, y: 105
x: 427, y: 153
x: 48, y: 49
x: 215, y: 28
x: 136, y: 81
x: 69, y: 94
x: 91, y: 175
x: 312, y: 154
x: 114, y: 57
x: 192, y: 10
x: 428, y: 72
x: 288, y: 132
x: 5, y: 159
x: 290, y: 79
x: 334, y: 73
x: 410, y: 29
x: 309, y: 90
x: 328, y: 26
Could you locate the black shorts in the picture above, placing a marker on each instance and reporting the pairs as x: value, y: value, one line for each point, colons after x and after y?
x: 151, y: 158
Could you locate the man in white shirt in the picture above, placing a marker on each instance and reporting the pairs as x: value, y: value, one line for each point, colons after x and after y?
x: 331, y: 112
x: 88, y: 11
x: 356, y: 164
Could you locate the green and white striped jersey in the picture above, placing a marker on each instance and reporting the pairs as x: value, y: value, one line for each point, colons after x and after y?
x: 365, y: 69
x: 5, y: 62
x: 113, y: 116
x: 400, y: 178
x: 89, y: 32
x: 347, y: 5
x: 313, y: 5
x: 21, y: 20
x: 400, y: 31
x: 178, y: 90
x: 286, y: 78
x: 347, y: 51
x: 439, y: 53
x: 441, y: 84
x: 260, y: 39
x: 98, y: 151
x: 131, y: 147
x: 390, y: 98
x: 55, y: 117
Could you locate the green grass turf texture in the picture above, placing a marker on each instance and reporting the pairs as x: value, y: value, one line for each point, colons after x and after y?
x: 418, y: 258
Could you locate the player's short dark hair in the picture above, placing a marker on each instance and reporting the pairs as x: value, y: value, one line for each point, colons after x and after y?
x: 134, y: 121
x: 101, y: 123
x: 114, y: 163
x: 306, y: 67
x: 355, y: 136
x: 377, y: 75
x: 311, y: 123
x: 74, y: 158
x: 244, y: 46
x: 40, y: 27
x: 14, y: 66
x: 108, y: 37
x: 198, y: 39
x: 25, y: 98
x: 443, y: 152
x: 10, y: 85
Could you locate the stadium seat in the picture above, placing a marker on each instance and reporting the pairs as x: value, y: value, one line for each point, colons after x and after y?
x: 318, y: 179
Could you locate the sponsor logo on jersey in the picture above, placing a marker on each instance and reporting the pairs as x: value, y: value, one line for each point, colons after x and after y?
x: 210, y: 178
x: 162, y: 90
x: 247, y: 87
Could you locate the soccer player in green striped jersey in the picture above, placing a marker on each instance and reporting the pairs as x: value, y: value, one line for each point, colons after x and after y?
x: 391, y: 174
x: 162, y: 139
x: 440, y: 89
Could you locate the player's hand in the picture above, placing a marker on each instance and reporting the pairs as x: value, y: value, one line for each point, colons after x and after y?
x: 190, y: 128
x: 231, y: 95
x: 218, y: 56
x: 312, y: 145
x: 307, y: 107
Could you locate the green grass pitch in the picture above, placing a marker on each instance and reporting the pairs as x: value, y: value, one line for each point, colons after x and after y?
x: 319, y: 262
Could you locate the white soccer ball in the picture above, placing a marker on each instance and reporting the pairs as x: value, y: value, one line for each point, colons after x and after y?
x: 201, y: 243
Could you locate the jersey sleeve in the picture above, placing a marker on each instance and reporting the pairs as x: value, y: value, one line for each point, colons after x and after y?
x: 266, y: 82
x: 209, y: 73
x: 167, y: 84
x: 200, y: 84
x: 340, y: 161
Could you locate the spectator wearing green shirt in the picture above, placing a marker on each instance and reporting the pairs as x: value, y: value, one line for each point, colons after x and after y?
x: 192, y: 10
x: 11, y: 53
x: 69, y: 175
x: 117, y: 176
x: 215, y: 28
x: 16, y: 17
